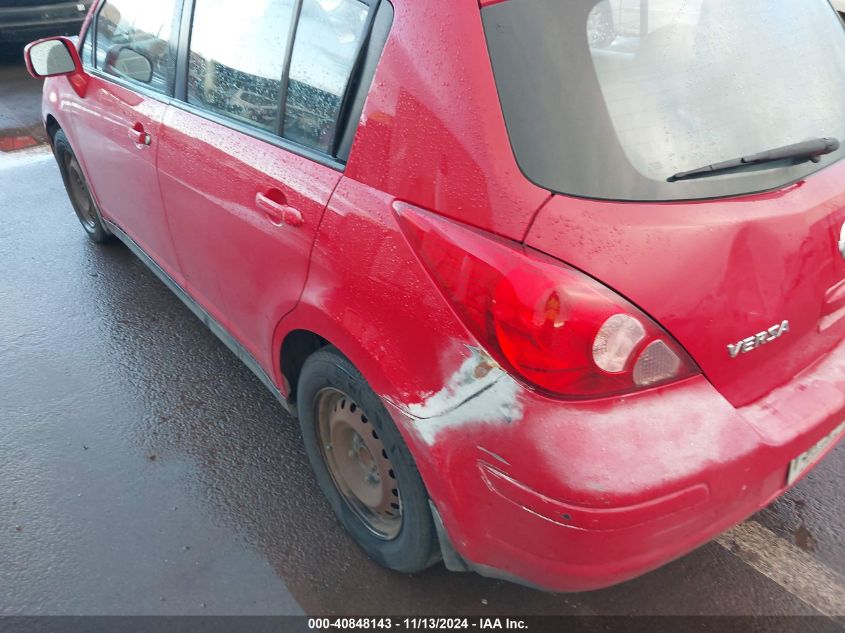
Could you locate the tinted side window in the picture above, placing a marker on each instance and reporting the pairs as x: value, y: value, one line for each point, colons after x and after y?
x: 134, y: 41
x: 328, y: 39
x: 237, y: 58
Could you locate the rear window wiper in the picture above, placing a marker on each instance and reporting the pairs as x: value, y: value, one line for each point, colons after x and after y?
x: 798, y: 152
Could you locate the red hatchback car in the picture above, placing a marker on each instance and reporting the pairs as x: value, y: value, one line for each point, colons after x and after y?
x: 556, y: 289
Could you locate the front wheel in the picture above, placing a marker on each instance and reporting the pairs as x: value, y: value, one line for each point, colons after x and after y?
x: 363, y: 466
x: 78, y: 192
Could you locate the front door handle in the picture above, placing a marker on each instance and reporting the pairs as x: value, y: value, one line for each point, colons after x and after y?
x: 139, y: 135
x: 275, y: 206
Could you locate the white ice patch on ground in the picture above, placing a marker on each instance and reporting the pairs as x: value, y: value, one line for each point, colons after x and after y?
x: 478, y: 392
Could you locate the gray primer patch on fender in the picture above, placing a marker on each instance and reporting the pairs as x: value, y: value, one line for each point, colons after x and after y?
x: 478, y: 392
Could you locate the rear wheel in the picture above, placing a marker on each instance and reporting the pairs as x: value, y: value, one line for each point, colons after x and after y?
x: 362, y: 464
x: 77, y: 190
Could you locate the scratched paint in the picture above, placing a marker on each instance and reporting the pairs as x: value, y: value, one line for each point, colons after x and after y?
x: 479, y: 392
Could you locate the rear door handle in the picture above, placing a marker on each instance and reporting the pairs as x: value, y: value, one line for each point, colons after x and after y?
x: 139, y: 135
x: 275, y: 207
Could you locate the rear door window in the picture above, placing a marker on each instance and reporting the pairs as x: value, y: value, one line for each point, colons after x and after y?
x: 328, y: 42
x: 134, y: 42
x: 296, y: 69
x: 237, y: 59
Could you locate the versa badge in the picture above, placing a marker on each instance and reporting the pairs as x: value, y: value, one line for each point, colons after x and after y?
x: 758, y: 340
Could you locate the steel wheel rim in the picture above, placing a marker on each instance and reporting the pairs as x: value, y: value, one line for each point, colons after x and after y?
x: 358, y: 463
x: 79, y: 192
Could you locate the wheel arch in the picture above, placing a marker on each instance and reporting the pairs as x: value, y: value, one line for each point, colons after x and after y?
x: 295, y: 349
x: 51, y: 124
x: 308, y: 329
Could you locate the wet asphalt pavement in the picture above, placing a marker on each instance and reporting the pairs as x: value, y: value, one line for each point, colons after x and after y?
x: 144, y: 470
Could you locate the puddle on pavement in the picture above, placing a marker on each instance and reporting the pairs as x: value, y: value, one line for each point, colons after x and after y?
x: 803, y: 538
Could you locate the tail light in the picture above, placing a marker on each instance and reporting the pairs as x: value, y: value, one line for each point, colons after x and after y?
x: 556, y: 328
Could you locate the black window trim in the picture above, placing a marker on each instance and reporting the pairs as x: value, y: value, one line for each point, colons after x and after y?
x: 91, y: 31
x: 261, y: 135
x: 363, y: 74
x: 83, y: 38
x: 352, y: 82
x: 285, y: 81
x: 371, y: 47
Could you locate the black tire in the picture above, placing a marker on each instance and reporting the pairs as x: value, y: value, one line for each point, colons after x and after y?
x: 415, y: 546
x: 78, y: 192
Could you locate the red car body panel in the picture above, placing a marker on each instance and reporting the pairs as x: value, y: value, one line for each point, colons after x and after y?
x: 116, y: 117
x: 720, y: 271
x: 243, y: 263
x: 433, y: 133
x: 563, y: 495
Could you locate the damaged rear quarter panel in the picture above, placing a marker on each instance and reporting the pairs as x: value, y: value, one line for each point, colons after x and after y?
x: 478, y: 393
x: 368, y: 295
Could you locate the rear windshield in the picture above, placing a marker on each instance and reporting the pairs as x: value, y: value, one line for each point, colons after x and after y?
x: 608, y: 99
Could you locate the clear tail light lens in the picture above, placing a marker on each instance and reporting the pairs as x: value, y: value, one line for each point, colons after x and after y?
x: 616, y: 340
x: 551, y: 325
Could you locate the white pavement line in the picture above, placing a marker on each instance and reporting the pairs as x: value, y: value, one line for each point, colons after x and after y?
x: 796, y: 571
x: 25, y: 157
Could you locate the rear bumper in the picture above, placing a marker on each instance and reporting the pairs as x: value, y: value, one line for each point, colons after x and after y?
x: 25, y: 24
x: 572, y: 497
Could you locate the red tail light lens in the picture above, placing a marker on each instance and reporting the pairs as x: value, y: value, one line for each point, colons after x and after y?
x: 551, y: 325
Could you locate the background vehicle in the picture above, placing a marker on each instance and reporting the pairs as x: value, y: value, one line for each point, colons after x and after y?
x: 560, y: 367
x: 22, y: 21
